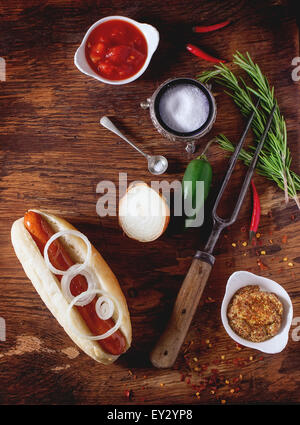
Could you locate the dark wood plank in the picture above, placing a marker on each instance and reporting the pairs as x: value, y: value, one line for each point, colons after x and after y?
x: 52, y: 155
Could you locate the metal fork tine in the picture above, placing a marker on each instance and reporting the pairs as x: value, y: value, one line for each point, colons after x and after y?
x: 220, y: 223
x: 251, y: 168
x: 233, y: 161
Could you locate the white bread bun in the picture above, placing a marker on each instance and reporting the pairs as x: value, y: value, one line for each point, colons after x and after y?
x: 49, y: 288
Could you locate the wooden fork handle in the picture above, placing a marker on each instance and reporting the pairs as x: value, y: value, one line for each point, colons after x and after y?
x: 168, y: 346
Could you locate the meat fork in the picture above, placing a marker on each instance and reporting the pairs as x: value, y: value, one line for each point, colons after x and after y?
x: 168, y: 346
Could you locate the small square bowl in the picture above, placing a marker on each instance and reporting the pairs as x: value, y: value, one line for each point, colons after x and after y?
x: 240, y: 279
x: 152, y: 38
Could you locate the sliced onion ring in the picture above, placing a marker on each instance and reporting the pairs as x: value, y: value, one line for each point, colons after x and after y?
x: 94, y: 337
x: 66, y: 281
x: 63, y: 233
x: 104, y: 307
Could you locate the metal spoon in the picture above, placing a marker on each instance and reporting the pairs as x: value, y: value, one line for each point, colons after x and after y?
x: 157, y: 164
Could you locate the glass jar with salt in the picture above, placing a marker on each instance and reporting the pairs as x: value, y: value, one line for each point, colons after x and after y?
x: 182, y: 109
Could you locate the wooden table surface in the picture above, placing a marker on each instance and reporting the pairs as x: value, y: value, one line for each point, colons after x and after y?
x: 53, y: 153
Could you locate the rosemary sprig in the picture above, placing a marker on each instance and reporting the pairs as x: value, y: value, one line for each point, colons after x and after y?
x: 275, y: 159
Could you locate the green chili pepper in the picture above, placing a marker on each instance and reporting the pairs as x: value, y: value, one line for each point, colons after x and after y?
x: 198, y: 169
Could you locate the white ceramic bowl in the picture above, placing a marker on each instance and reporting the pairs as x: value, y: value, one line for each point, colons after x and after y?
x: 241, y: 278
x: 152, y: 38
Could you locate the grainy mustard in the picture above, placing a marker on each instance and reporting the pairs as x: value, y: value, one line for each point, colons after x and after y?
x: 254, y: 314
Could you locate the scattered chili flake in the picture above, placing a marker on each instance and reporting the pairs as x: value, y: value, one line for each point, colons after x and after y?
x: 237, y: 389
x: 292, y: 217
x: 128, y: 394
x: 270, y: 215
x: 210, y: 300
x: 243, y: 229
x: 284, y: 239
x: 261, y: 358
x: 261, y: 265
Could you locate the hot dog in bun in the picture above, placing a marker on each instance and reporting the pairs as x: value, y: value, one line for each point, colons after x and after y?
x: 75, y: 283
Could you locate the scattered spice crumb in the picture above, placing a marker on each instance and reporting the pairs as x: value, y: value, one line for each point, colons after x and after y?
x: 261, y: 265
x: 59, y: 368
x: 284, y: 239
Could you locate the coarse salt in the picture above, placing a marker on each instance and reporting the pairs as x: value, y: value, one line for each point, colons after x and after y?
x: 184, y: 108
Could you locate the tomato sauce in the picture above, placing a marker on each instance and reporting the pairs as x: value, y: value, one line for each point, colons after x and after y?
x: 116, y: 50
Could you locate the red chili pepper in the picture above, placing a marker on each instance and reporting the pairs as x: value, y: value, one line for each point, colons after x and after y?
x: 255, y: 212
x: 209, y: 28
x: 203, y: 55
